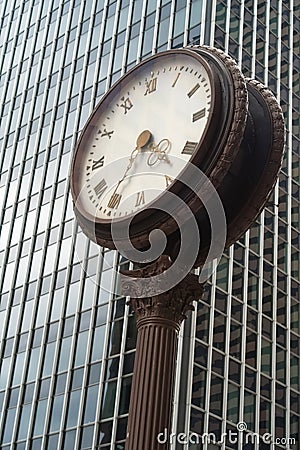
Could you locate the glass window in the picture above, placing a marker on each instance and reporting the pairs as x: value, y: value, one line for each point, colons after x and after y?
x: 234, y: 372
x: 179, y: 21
x: 56, y: 412
x: 52, y: 331
x: 252, y: 319
x: 98, y: 342
x: 108, y: 400
x: 33, y: 364
x: 202, y: 329
x: 200, y: 354
x: 73, y: 408
x: 128, y: 363
x: 27, y: 315
x: 9, y: 347
x: 267, y: 299
x: 115, y: 337
x: 266, y: 356
x: 222, y: 274
x: 88, y: 291
x: 112, y: 368
x: 250, y: 379
x: 69, y: 439
x: 197, y: 421
x: 49, y: 359
x: 52, y: 441
x: 295, y: 371
x: 280, y: 364
x: 65, y: 351
x: 24, y: 421
x: 235, y: 340
x: 251, y: 348
x: 199, y: 387
x: 280, y: 420
x: 221, y: 11
x: 18, y: 368
x: 42, y: 310
x: 9, y: 425
x: 233, y: 402
x: 125, y: 395
x: 44, y: 388
x: 81, y: 348
x: 87, y: 437
x: 40, y: 417
x: 29, y: 391
x: 216, y: 395
x: 236, y: 310
x: 218, y: 362
x: 77, y: 379
x: 249, y: 410
x: 219, y: 331
x: 13, y: 397
x: 68, y: 326
x: 57, y: 303
x: 90, y: 404
x: 94, y: 373
x: 295, y: 316
x: 131, y: 334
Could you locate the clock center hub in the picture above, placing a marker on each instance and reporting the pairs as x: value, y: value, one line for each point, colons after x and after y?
x: 143, y: 139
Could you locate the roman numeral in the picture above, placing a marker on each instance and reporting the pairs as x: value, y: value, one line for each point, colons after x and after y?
x: 192, y: 91
x: 106, y: 133
x: 98, y: 163
x: 168, y: 180
x: 140, y: 198
x: 189, y: 148
x: 176, y: 79
x: 199, y: 114
x: 127, y: 104
x: 151, y: 86
x: 114, y: 201
x: 100, y: 188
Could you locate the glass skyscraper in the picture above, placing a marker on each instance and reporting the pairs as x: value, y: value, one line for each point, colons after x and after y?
x: 67, y: 341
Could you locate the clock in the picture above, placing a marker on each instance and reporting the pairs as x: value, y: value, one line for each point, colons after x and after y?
x: 176, y: 108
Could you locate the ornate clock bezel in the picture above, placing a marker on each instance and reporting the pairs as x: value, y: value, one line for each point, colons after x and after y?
x: 195, y: 159
x: 224, y: 76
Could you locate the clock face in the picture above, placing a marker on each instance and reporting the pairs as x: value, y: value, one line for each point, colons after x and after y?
x: 156, y: 113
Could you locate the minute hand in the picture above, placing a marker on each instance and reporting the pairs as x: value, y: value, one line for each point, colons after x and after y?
x: 133, y: 155
x: 141, y: 141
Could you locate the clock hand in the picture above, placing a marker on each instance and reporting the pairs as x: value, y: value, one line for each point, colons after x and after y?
x: 159, y: 152
x: 141, y: 141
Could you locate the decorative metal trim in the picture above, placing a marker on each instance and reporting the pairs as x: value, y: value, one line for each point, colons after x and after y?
x: 239, y: 120
x: 271, y: 171
x: 171, y: 305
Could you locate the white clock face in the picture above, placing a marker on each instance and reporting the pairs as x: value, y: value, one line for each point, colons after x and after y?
x: 158, y: 112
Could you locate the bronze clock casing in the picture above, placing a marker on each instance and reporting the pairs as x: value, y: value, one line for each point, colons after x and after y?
x: 245, y: 180
x: 99, y: 229
x: 241, y: 153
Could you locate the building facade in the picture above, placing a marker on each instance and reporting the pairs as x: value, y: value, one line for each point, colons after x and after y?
x: 67, y: 340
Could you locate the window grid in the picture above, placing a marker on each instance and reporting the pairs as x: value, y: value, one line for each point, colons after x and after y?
x: 70, y: 54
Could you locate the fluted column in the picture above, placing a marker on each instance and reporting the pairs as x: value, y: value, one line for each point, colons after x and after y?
x: 158, y: 322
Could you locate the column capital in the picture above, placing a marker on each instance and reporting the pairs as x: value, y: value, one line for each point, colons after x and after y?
x: 171, y: 305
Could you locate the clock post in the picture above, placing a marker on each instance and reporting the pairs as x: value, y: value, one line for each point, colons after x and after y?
x: 158, y: 321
